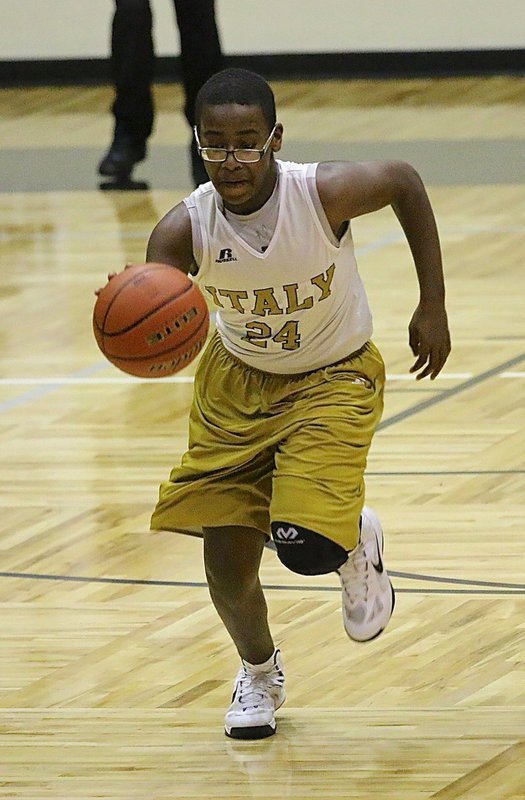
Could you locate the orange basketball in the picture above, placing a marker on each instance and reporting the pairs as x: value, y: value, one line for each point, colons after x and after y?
x: 150, y: 320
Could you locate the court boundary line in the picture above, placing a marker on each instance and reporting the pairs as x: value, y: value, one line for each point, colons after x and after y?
x: 446, y: 394
x: 504, y: 589
x: 44, y: 386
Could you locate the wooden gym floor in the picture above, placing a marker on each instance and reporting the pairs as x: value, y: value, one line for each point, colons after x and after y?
x: 114, y: 668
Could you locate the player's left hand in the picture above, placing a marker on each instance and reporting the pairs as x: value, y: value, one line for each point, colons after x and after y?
x: 429, y: 339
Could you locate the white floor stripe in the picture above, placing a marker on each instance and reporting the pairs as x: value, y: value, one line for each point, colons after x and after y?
x: 91, y: 381
x: 447, y: 376
x: 142, y: 233
x: 124, y: 379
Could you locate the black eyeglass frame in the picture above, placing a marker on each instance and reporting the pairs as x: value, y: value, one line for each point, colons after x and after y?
x: 260, y: 153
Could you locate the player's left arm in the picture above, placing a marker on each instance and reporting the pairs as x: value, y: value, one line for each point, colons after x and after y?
x: 351, y: 189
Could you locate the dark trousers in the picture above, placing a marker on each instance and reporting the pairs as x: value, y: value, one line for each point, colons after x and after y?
x: 133, y: 59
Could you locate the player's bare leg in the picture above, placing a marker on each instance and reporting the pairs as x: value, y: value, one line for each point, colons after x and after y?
x: 232, y: 557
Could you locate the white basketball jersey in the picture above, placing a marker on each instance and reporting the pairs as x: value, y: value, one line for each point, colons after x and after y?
x: 295, y: 307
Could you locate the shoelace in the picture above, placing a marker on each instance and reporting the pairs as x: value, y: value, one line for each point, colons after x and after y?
x: 356, y: 588
x: 253, y: 688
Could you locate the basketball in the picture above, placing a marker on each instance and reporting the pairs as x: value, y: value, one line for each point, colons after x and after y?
x: 150, y: 320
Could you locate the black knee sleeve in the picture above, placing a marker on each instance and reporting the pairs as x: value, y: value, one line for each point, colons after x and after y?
x: 305, y: 551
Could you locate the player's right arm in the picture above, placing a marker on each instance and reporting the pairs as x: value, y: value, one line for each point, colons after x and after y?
x: 171, y: 240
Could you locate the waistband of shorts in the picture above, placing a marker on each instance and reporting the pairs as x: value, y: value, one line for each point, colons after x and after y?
x: 291, y: 375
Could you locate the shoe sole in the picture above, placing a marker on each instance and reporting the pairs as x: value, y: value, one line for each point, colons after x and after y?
x: 254, y: 731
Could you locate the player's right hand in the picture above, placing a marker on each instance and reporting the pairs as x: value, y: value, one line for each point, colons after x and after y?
x: 110, y: 275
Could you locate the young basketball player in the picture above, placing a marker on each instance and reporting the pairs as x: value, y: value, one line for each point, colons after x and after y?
x: 289, y: 391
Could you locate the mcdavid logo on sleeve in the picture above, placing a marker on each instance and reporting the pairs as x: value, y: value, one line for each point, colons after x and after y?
x: 225, y: 255
x: 288, y: 536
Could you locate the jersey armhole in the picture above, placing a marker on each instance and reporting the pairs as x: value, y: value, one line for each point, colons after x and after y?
x: 196, y: 235
x: 311, y: 185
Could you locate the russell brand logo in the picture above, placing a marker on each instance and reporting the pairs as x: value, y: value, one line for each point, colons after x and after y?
x: 225, y: 255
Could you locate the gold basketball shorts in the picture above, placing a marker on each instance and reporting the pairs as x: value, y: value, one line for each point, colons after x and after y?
x: 267, y: 447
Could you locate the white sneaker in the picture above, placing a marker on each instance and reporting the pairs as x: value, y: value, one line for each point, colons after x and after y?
x: 257, y: 693
x: 368, y: 595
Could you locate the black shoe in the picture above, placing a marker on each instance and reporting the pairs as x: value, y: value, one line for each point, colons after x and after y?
x: 122, y: 156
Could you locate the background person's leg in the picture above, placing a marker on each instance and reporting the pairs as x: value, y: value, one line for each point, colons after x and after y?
x: 132, y: 65
x: 201, y: 56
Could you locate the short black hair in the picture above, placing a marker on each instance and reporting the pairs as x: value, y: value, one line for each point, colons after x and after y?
x: 239, y: 86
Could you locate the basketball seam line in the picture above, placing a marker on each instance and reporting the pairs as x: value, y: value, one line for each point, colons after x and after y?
x: 152, y: 269
x: 149, y: 314
x: 149, y: 356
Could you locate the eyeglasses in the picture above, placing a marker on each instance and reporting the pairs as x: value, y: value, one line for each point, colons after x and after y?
x: 244, y: 155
